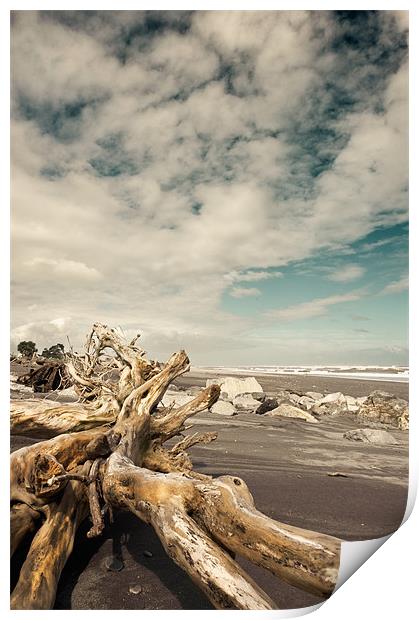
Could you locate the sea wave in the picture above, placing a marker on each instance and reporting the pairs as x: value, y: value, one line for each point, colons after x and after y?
x: 370, y: 373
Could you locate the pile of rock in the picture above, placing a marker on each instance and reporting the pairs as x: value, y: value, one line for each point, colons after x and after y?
x: 247, y: 396
x: 309, y: 406
x: 379, y: 408
x: 237, y: 395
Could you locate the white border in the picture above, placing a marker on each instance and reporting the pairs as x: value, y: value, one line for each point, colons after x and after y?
x: 384, y: 586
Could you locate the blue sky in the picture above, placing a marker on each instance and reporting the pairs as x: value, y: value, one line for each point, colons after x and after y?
x: 371, y: 270
x: 234, y: 183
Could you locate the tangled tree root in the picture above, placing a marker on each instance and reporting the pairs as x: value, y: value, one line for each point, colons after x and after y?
x: 109, y: 452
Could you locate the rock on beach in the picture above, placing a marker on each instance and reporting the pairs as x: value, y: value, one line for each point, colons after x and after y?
x: 223, y: 407
x: 370, y: 435
x: 234, y: 386
x: 385, y: 408
x: 289, y: 411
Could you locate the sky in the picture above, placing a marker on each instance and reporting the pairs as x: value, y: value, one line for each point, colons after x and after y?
x: 231, y: 183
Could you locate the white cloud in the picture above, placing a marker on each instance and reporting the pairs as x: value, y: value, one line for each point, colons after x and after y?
x: 251, y: 276
x: 62, y: 268
x: 44, y: 333
x: 309, y: 309
x: 239, y: 292
x: 396, y: 287
x: 347, y: 273
x: 190, y: 65
x: 205, y: 185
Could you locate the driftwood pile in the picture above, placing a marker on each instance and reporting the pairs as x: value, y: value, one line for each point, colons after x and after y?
x: 50, y: 376
x: 108, y: 452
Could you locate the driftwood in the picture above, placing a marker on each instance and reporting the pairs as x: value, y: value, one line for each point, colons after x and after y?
x: 50, y: 376
x: 108, y: 453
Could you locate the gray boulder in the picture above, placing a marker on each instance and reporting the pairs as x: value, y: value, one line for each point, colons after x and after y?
x: 287, y: 398
x: 336, y: 397
x: 289, y: 411
x: 176, y: 398
x: 222, y: 407
x: 306, y: 402
x: 245, y: 402
x: 315, y: 395
x: 387, y: 409
x: 234, y: 386
x: 370, y: 435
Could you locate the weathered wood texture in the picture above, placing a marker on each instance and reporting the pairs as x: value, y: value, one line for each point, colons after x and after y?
x: 108, y: 452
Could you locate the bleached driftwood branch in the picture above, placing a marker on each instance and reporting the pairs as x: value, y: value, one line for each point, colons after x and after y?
x: 109, y: 450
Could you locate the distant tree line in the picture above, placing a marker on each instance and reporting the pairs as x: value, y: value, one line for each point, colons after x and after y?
x: 27, y: 348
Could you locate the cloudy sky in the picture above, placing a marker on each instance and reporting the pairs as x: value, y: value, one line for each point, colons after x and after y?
x: 233, y: 183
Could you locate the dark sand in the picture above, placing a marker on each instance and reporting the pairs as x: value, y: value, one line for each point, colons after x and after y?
x: 286, y: 465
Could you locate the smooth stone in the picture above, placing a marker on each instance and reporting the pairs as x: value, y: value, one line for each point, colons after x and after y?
x: 223, y: 407
x: 246, y: 402
x: 235, y: 386
x: 178, y: 398
x: 289, y: 411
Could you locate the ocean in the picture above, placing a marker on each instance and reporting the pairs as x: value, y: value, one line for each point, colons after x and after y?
x: 371, y: 373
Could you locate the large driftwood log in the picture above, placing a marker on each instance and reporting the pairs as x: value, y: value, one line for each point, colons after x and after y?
x: 108, y: 451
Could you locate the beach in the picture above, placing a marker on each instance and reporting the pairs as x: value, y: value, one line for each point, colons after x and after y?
x: 303, y: 382
x: 303, y: 474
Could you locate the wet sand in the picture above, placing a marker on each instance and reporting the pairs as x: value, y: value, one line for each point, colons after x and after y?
x: 286, y: 465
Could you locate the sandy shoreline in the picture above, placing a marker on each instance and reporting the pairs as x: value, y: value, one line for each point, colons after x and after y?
x: 287, y: 465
